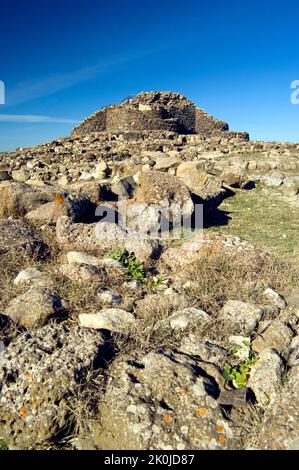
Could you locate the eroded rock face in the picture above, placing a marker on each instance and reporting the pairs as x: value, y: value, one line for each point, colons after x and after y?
x: 280, y: 428
x: 207, y: 187
x: 62, y: 205
x: 18, y: 235
x: 166, y: 192
x: 266, y: 376
x: 39, y: 371
x: 176, y: 412
x: 277, y: 336
x: 101, y: 237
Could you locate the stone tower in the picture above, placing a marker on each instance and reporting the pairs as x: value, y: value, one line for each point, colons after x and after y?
x: 153, y: 111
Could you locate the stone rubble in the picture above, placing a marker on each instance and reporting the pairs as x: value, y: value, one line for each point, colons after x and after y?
x: 129, y: 170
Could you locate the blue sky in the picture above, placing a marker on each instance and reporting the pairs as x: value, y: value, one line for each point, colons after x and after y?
x: 62, y: 60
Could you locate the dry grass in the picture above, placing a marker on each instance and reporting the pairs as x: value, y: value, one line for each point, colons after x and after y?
x: 251, y: 420
x: 219, y: 278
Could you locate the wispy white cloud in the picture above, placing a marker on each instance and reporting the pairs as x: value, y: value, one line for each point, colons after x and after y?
x: 31, y: 118
x: 33, y: 89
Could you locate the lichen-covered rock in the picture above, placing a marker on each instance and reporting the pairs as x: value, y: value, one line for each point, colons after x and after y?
x: 27, y: 276
x: 278, y: 335
x: 35, y: 307
x: 166, y: 192
x: 16, y: 199
x: 274, y: 298
x: 207, y: 187
x: 101, y: 236
x: 235, y: 175
x: 39, y: 372
x: 280, y: 427
x: 19, y: 236
x: 82, y: 258
x: 92, y: 189
x: 243, y: 315
x: 165, y: 401
x: 266, y: 376
x: 145, y: 249
x: 207, y: 351
x: 84, y: 273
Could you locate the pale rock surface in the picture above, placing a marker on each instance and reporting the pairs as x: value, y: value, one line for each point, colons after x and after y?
x: 243, y: 315
x: 266, y: 376
x: 112, y: 319
x: 35, y: 307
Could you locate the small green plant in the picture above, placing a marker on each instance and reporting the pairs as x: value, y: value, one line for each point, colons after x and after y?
x: 134, y: 268
x: 157, y: 281
x: 239, y: 373
x: 3, y: 446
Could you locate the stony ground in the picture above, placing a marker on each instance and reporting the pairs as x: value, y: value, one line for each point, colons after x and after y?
x: 112, y: 342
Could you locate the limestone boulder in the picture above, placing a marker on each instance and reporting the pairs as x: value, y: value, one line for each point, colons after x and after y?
x: 206, y: 244
x: 84, y: 273
x: 277, y: 335
x: 266, y: 376
x: 207, y: 187
x: 184, y: 319
x: 280, y: 427
x: 100, y: 237
x: 16, y: 199
x: 145, y: 249
x: 35, y: 307
x: 39, y: 372
x: 243, y: 315
x: 166, y: 192
x: 179, y: 411
x: 62, y: 205
x: 112, y: 319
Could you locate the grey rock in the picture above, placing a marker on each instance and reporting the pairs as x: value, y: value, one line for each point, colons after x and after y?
x: 184, y: 319
x: 206, y: 350
x: 244, y: 316
x: 178, y: 411
x: 274, y: 298
x: 101, y: 237
x: 266, y: 376
x: 84, y: 273
x: 66, y: 205
x: 27, y: 276
x: 277, y: 336
x: 145, y: 249
x: 35, y: 307
x: 39, y: 373
x: 113, y: 319
x: 280, y: 427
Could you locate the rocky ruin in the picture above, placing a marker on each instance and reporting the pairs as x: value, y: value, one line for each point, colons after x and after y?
x: 91, y: 313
